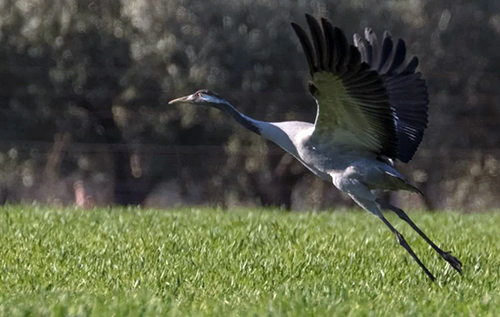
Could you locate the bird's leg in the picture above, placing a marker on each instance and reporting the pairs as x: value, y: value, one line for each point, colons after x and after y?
x: 368, y: 201
x: 405, y: 245
x: 454, y: 262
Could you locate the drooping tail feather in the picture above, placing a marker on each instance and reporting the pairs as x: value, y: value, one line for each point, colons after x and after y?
x: 400, y: 183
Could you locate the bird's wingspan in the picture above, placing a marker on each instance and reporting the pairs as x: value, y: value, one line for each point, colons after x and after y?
x: 406, y: 90
x: 353, y: 104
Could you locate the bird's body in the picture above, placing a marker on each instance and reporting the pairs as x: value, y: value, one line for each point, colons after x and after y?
x: 372, y: 110
x: 339, y: 165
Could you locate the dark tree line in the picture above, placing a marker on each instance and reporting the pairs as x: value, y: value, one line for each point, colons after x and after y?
x: 84, y: 86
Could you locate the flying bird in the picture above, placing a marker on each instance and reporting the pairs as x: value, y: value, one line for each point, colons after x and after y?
x: 371, y: 111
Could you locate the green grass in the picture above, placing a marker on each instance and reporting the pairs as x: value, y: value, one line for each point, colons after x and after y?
x: 246, y: 262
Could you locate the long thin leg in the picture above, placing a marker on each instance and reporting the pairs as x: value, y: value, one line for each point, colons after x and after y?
x: 372, y: 206
x: 454, y: 262
x: 405, y: 245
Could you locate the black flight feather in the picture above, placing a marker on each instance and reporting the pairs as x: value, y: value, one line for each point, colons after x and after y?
x: 342, y: 49
x: 329, y: 43
x: 411, y: 67
x: 386, y: 51
x: 318, y: 40
x: 306, y: 46
x: 399, y: 56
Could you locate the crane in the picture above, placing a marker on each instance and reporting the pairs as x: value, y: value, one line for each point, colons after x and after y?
x: 371, y: 111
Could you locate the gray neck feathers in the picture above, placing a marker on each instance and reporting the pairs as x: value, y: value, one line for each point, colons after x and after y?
x: 280, y: 133
x: 245, y: 121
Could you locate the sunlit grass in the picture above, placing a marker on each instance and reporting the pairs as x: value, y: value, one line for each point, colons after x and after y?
x: 245, y: 262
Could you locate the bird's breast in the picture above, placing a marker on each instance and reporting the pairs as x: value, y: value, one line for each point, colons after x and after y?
x: 322, y: 161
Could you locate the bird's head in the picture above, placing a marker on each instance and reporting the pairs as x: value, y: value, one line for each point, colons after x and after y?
x: 203, y: 97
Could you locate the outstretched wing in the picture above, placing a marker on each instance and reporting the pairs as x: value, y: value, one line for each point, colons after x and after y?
x: 354, y: 111
x: 406, y: 90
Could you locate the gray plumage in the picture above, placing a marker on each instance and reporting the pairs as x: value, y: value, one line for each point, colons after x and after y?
x: 372, y: 110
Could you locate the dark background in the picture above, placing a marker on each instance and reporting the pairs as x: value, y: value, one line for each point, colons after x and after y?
x: 84, y: 87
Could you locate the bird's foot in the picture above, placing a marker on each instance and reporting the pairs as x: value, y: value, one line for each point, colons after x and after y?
x: 454, y: 262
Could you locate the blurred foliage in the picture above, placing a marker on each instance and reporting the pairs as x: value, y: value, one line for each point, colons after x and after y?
x: 102, y: 72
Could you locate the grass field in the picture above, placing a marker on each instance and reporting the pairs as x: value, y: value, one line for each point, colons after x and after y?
x: 246, y: 262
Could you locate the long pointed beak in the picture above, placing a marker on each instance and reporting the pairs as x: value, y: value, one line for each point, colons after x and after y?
x: 181, y: 99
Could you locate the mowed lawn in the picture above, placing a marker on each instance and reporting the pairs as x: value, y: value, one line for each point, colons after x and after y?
x: 241, y: 262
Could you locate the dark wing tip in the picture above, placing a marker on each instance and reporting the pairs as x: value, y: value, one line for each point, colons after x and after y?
x: 328, y: 47
x: 342, y: 48
x: 306, y: 46
x: 399, y: 56
x: 308, y: 16
x: 387, y: 46
x: 389, y: 58
x: 329, y: 43
x: 411, y: 66
x: 318, y: 40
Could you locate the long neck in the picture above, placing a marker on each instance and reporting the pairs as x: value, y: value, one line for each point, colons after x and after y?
x: 277, y: 132
x: 245, y: 121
